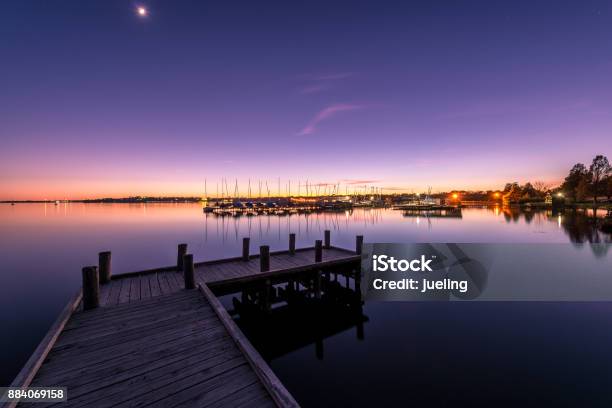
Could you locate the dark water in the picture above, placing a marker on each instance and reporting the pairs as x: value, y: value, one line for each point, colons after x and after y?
x: 43, y: 247
x: 336, y: 350
x: 450, y: 354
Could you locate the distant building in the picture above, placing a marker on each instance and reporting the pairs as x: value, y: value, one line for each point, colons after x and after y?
x: 548, y: 200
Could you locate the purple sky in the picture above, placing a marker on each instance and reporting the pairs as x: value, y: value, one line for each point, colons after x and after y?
x: 97, y: 101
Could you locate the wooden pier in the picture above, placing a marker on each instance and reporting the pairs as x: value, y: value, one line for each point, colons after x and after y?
x: 160, y: 337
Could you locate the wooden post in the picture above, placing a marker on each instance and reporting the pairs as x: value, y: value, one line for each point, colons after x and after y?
x: 327, y: 239
x: 317, y: 285
x: 318, y: 250
x: 359, y: 244
x: 104, y: 266
x: 182, y: 251
x: 188, y: 271
x: 245, y: 248
x: 358, y: 282
x: 264, y: 258
x: 292, y: 244
x: 91, y: 287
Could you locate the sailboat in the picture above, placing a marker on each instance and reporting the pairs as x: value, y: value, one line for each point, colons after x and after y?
x: 207, y: 208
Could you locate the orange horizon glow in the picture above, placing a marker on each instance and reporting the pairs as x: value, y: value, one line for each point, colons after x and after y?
x: 82, y: 190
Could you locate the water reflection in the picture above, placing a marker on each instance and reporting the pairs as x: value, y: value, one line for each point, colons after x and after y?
x: 279, y: 319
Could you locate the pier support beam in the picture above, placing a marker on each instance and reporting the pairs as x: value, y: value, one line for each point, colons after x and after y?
x: 104, y: 266
x: 182, y: 251
x: 188, y: 271
x: 264, y: 258
x: 317, y: 285
x: 318, y: 250
x: 245, y: 248
x: 327, y: 239
x: 292, y: 244
x: 359, y: 244
x: 91, y: 287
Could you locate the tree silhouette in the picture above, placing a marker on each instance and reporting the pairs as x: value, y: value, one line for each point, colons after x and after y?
x: 599, y: 170
x: 576, y: 174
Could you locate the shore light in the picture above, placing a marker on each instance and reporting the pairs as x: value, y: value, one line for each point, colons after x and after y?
x: 455, y: 196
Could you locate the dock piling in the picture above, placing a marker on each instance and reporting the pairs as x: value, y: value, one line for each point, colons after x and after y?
x: 245, y: 248
x: 292, y: 244
x: 182, y: 251
x: 359, y: 244
x: 91, y: 287
x: 327, y: 239
x: 318, y: 250
x: 264, y: 258
x: 188, y: 271
x: 104, y: 266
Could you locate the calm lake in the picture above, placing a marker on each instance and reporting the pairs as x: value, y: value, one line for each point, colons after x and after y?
x: 433, y: 354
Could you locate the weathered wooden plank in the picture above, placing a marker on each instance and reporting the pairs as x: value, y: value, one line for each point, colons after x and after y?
x: 124, y: 295
x: 123, y: 327
x: 115, y: 290
x: 176, y: 281
x: 123, y: 307
x: 145, y: 287
x: 163, y: 283
x: 90, y: 358
x: 168, y: 385
x: 105, y: 293
x: 130, y: 330
x: 254, y: 395
x: 154, y: 283
x: 98, y: 326
x: 102, y: 387
x: 142, y: 360
x: 277, y: 390
x: 100, y: 320
x: 135, y: 288
x: 212, y: 389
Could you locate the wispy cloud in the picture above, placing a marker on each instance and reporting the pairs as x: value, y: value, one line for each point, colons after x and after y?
x: 358, y: 181
x: 325, y: 114
x: 332, y: 76
x: 321, y: 82
x: 329, y: 76
x: 310, y: 89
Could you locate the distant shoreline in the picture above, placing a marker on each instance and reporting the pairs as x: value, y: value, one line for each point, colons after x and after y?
x: 129, y: 200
